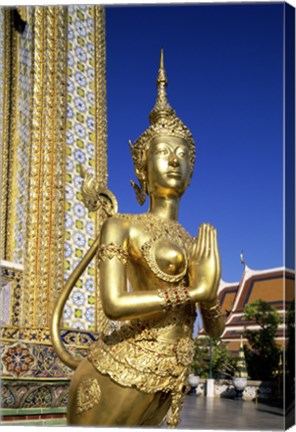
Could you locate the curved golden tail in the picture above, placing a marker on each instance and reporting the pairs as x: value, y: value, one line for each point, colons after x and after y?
x: 58, y: 345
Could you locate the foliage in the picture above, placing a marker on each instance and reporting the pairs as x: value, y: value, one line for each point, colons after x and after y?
x: 222, y: 362
x: 263, y: 355
x: 290, y: 351
x: 290, y: 355
x: 200, y: 363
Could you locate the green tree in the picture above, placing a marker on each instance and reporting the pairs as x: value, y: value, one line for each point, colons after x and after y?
x: 263, y: 355
x: 200, y: 363
x: 290, y: 354
x: 222, y: 361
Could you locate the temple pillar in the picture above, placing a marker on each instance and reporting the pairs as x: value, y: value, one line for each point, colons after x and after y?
x: 53, y: 104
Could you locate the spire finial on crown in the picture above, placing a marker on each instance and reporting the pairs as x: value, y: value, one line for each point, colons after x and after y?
x: 162, y: 107
x: 162, y: 78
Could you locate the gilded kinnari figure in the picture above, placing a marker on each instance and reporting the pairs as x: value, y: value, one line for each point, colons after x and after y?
x: 137, y: 375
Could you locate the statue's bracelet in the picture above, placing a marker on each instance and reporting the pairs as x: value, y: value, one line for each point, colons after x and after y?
x: 174, y: 296
x: 212, y: 313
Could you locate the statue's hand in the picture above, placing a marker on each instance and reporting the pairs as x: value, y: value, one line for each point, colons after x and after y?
x: 204, y: 265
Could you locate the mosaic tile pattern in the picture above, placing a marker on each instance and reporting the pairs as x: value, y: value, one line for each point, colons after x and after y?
x: 17, y: 359
x: 35, y: 361
x: 5, y: 302
x: 11, y: 293
x: 34, y: 394
x: 79, y: 312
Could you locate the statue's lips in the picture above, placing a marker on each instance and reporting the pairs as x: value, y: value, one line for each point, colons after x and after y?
x: 174, y: 174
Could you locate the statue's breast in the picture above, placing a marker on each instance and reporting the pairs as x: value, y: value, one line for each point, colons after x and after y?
x: 166, y: 259
x: 169, y: 257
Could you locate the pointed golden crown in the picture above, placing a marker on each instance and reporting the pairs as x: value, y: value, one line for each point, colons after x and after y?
x: 163, y: 121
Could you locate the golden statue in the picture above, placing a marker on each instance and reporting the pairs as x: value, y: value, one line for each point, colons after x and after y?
x: 152, y: 275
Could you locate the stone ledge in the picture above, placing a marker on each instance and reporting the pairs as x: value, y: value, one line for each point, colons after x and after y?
x: 51, y: 422
x: 34, y: 416
x: 31, y: 411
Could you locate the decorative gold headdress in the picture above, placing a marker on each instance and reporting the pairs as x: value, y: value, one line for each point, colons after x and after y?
x: 163, y: 121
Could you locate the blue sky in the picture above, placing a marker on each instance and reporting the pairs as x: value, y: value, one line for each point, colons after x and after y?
x: 225, y: 69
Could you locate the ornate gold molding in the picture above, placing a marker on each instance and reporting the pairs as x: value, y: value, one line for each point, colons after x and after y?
x: 100, y: 89
x: 45, y: 196
x: 101, y: 137
x: 9, y: 136
x: 43, y: 275
x: 5, y: 127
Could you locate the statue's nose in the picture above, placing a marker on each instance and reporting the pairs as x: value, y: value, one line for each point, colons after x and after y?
x: 173, y: 160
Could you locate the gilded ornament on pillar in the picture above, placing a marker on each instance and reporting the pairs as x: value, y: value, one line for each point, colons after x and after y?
x: 44, y: 255
x: 9, y: 136
x: 33, y: 101
x: 109, y: 203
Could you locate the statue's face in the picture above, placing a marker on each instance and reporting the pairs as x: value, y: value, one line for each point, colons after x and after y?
x: 167, y: 166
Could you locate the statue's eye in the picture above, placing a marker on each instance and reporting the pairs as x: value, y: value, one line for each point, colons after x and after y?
x: 161, y: 151
x: 182, y: 153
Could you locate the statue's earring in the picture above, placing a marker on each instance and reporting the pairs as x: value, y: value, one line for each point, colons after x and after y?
x: 140, y: 191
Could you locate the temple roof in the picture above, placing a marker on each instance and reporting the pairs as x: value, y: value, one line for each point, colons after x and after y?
x: 275, y: 285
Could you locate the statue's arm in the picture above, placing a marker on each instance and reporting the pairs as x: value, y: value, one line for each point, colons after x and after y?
x: 117, y: 302
x: 213, y: 320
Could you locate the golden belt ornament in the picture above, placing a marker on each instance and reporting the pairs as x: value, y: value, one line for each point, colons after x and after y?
x: 142, y: 361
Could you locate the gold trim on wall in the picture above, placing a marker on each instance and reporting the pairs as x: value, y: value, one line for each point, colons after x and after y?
x: 43, y: 274
x: 5, y: 127
x: 13, y: 148
x: 45, y: 196
x: 9, y: 136
x: 100, y: 89
x: 59, y: 143
x: 101, y: 139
